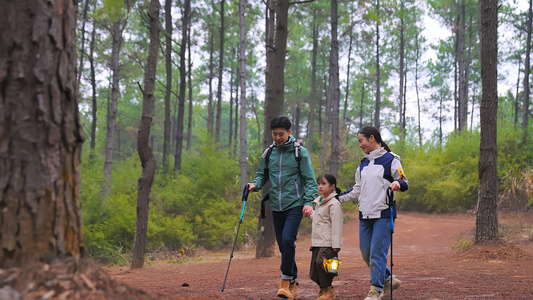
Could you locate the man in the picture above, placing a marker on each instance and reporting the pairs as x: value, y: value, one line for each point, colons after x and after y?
x: 293, y: 187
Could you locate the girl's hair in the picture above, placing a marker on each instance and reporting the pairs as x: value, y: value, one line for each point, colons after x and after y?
x: 367, y: 131
x: 330, y: 178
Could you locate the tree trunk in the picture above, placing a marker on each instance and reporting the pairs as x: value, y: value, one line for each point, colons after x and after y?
x: 487, y: 214
x: 335, y: 90
x: 517, y: 101
x: 362, y: 102
x: 189, y: 74
x: 467, y: 69
x: 82, y: 46
x: 210, y: 112
x: 402, y: 56
x: 462, y: 101
x: 94, y: 102
x: 230, y: 122
x: 242, y: 74
x: 312, y: 97
x: 417, y: 57
x: 236, y: 119
x: 344, y: 119
x: 525, y: 95
x: 220, y: 73
x: 181, y: 97
x: 168, y: 91
x: 145, y: 152
x: 112, y: 108
x: 377, y: 111
x: 40, y: 133
x: 276, y: 45
x: 296, y: 121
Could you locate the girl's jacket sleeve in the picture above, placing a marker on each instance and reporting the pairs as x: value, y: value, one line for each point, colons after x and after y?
x: 353, y: 195
x: 336, y: 225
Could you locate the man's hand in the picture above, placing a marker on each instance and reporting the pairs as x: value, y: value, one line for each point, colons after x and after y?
x: 395, y: 186
x: 251, y: 187
x: 307, y: 210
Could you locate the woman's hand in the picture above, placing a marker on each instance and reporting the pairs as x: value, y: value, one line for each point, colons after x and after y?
x: 395, y: 186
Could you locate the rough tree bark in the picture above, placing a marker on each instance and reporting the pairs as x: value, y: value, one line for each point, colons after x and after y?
x: 334, y: 90
x: 40, y: 133
x: 265, y: 227
x: 145, y: 152
x: 487, y: 214
x: 183, y: 74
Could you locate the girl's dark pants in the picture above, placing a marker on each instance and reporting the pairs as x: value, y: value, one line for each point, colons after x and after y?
x: 317, y: 273
x: 286, y: 225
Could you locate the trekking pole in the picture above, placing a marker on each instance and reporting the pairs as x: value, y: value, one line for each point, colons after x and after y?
x: 245, y: 193
x: 390, y: 202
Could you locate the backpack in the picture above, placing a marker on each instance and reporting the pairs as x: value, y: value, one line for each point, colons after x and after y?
x: 297, y: 152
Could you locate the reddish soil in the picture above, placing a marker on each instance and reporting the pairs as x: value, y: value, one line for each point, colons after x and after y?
x: 424, y: 260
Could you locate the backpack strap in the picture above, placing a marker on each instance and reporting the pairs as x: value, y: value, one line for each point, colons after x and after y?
x: 266, y: 155
x: 297, y: 152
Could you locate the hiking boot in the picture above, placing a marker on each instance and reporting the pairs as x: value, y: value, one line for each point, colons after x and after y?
x: 284, y: 291
x: 372, y: 295
x: 293, y: 288
x: 320, y: 292
x: 386, y: 295
x: 328, y: 294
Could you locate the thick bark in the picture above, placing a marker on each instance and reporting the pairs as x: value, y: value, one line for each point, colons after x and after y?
x: 220, y: 73
x: 93, y: 85
x: 525, y: 94
x: 487, y: 214
x: 112, y: 107
x: 145, y: 152
x: 272, y: 108
x: 377, y: 110
x: 335, y: 90
x: 40, y: 134
x: 242, y: 74
x: 168, y: 91
x: 181, y: 97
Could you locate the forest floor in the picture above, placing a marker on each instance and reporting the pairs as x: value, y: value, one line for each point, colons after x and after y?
x: 431, y: 258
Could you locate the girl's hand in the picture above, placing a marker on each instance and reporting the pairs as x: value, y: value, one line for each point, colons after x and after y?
x: 395, y: 186
x: 336, y: 249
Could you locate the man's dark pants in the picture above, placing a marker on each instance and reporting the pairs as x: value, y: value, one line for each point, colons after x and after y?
x: 286, y: 225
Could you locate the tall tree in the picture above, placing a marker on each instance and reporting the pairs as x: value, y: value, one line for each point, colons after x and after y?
x: 145, y: 152
x: 265, y: 227
x: 487, y: 214
x: 40, y: 216
x: 181, y: 98
x: 112, y: 112
x: 312, y: 96
x: 527, y: 66
x: 189, y: 82
x: 334, y: 89
x: 93, y: 85
x: 220, y: 73
x: 461, y: 41
x: 210, y: 111
x: 402, y: 70
x: 168, y: 87
x: 242, y: 75
x: 377, y: 109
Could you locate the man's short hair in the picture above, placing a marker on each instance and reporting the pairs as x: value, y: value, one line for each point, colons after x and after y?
x: 280, y: 122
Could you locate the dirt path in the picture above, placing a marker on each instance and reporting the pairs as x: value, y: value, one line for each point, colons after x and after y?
x: 423, y: 260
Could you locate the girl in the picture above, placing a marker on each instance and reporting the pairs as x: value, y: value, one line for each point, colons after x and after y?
x: 326, y: 238
x: 379, y: 170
